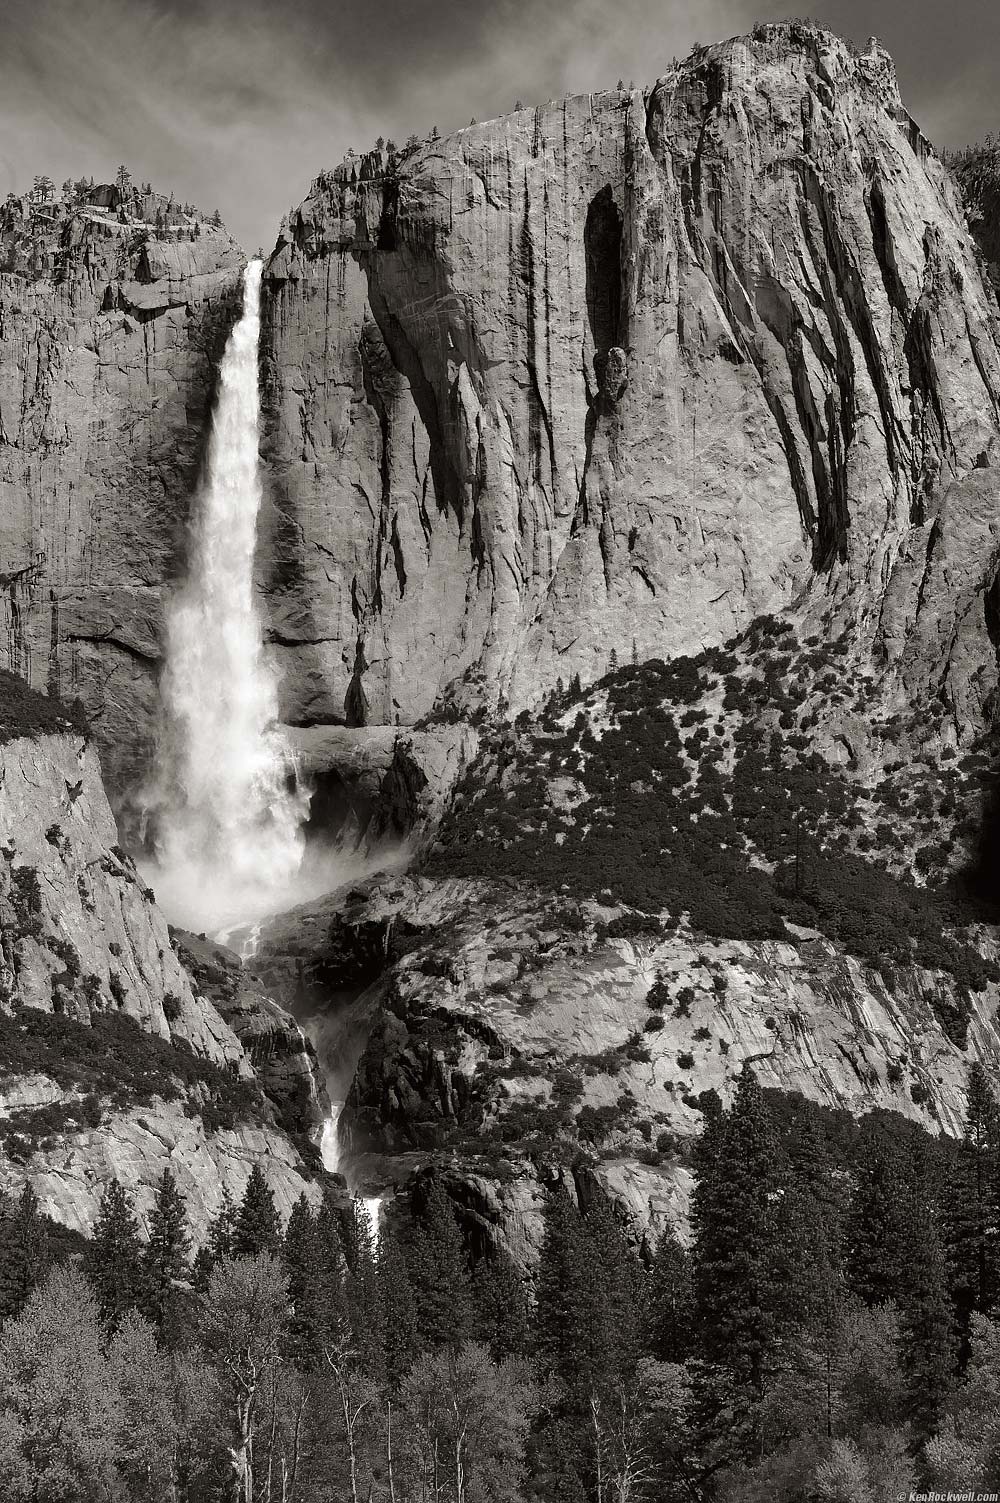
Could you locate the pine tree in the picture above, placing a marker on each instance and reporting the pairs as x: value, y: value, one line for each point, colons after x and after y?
x: 734, y: 1216
x: 587, y: 1340
x: 811, y: 1295
x: 611, y: 1281
x: 222, y: 1231
x: 670, y: 1301
x: 555, y: 1285
x: 558, y: 1459
x: 113, y: 1262
x: 24, y: 1251
x: 810, y: 1235
x: 927, y: 1344
x: 362, y: 1298
x: 258, y: 1226
x: 201, y: 1269
x: 438, y: 1273
x: 219, y: 1243
x: 334, y: 1271
x: 588, y: 1299
x: 970, y: 1206
x: 501, y: 1307
x: 165, y: 1264
x: 398, y: 1311
x: 302, y: 1255
x: 735, y: 1267
x: 875, y: 1234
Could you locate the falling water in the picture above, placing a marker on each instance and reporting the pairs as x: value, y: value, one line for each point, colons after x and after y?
x: 333, y: 1160
x: 229, y: 808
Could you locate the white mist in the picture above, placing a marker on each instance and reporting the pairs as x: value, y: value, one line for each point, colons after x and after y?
x: 229, y: 809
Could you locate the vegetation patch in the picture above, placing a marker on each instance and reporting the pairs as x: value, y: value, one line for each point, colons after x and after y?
x: 115, y: 1062
x: 25, y: 712
x: 742, y: 833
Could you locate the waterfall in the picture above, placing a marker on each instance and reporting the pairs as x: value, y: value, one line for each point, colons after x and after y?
x: 333, y: 1160
x: 228, y: 806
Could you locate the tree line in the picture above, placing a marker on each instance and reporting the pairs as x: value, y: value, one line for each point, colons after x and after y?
x: 828, y: 1334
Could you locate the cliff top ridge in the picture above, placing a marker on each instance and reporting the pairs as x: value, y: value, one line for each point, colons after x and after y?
x: 835, y: 59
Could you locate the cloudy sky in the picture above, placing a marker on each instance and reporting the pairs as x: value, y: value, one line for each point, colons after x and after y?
x: 236, y: 104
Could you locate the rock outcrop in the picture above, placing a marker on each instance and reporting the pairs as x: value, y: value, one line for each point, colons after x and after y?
x: 70, y: 1171
x: 508, y: 1034
x: 615, y: 375
x: 282, y: 1057
x: 379, y: 789
x: 115, y: 1061
x: 113, y: 317
x: 81, y: 930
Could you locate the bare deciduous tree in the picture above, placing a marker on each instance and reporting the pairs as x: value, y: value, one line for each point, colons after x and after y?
x: 244, y: 1319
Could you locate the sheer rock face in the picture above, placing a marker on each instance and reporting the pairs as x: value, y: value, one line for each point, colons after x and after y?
x: 80, y: 934
x: 109, y: 343
x: 622, y: 372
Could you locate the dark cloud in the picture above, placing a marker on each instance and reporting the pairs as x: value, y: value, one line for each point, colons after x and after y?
x: 237, y: 103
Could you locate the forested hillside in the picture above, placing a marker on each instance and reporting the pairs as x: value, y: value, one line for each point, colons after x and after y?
x: 828, y: 1333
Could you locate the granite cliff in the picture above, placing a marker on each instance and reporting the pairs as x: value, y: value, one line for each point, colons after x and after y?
x: 125, y: 1049
x: 613, y: 375
x: 113, y: 314
x: 610, y: 381
x: 610, y: 377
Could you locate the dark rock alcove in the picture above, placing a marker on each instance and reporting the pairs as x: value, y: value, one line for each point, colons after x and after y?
x: 602, y: 242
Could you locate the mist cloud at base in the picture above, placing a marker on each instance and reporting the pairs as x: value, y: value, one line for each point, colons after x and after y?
x: 203, y: 902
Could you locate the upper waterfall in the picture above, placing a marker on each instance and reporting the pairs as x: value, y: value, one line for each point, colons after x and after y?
x: 229, y: 809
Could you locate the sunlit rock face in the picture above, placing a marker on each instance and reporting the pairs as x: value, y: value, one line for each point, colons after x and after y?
x: 110, y: 341
x: 503, y: 1033
x: 617, y: 374
x: 85, y: 953
x: 599, y: 381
